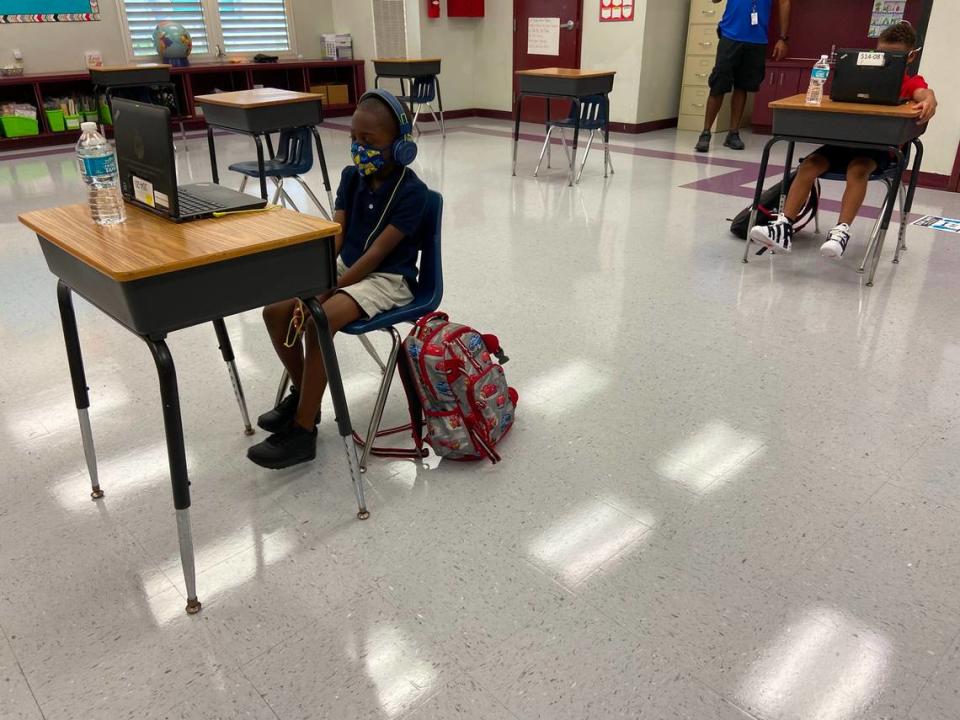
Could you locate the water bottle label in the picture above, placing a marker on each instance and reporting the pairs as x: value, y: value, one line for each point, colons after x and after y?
x: 821, y: 73
x: 102, y: 165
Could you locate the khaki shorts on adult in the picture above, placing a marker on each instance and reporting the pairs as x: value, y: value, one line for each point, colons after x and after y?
x: 377, y: 292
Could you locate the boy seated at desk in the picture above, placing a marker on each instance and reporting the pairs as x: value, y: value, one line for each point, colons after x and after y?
x: 858, y: 164
x: 380, y: 205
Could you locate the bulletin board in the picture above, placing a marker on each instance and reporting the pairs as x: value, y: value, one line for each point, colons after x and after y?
x: 41, y: 11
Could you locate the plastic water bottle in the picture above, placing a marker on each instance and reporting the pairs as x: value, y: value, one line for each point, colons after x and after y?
x: 818, y: 78
x: 98, y: 167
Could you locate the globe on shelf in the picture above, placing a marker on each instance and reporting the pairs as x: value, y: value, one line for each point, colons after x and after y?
x: 173, y: 42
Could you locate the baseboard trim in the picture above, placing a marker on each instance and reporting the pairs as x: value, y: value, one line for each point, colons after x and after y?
x: 932, y: 181
x: 629, y: 128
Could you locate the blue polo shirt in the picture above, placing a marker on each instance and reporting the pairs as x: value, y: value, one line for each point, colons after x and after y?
x: 364, y: 208
x: 735, y: 24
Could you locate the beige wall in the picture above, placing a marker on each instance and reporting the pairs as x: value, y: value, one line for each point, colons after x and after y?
x: 454, y: 40
x: 356, y: 17
x: 938, y: 67
x: 664, y: 48
x: 56, y: 47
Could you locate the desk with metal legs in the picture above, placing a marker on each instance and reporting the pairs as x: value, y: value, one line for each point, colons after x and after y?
x: 154, y: 277
x: 871, y: 127
x: 258, y: 113
x: 561, y: 83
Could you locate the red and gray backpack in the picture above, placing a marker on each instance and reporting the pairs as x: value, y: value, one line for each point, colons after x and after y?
x: 455, y: 390
x: 467, y: 405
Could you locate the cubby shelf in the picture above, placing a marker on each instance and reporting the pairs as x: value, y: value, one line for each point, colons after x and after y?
x: 190, y: 81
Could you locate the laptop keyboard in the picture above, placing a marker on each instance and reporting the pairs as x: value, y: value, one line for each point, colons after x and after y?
x: 192, y: 205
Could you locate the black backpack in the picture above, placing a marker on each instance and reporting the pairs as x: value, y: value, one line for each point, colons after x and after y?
x: 767, y: 211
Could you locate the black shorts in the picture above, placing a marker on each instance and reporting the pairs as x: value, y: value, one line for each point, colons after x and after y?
x: 840, y: 157
x: 739, y: 65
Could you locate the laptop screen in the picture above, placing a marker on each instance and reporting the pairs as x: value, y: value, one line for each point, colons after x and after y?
x: 145, y: 160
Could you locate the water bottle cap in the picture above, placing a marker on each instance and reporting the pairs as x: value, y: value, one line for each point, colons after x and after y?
x: 88, y: 127
x: 824, y: 57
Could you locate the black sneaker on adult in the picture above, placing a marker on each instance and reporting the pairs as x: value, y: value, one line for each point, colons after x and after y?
x: 282, y: 415
x: 733, y: 141
x: 291, y: 446
x: 703, y: 143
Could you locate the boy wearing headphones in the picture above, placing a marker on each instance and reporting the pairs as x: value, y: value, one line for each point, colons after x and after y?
x: 380, y: 205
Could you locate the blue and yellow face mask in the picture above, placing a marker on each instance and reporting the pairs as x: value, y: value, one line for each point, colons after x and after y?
x: 369, y: 160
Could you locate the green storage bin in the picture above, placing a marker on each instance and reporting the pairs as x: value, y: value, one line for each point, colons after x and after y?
x: 90, y: 116
x: 14, y: 126
x: 71, y: 122
x: 105, y: 116
x: 55, y: 120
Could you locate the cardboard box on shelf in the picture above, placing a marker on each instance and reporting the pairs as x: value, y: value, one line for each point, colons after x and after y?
x: 338, y: 94
x: 320, y: 90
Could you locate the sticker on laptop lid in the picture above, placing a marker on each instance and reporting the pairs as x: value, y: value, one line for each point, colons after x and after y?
x: 162, y: 199
x: 143, y: 191
x: 871, y: 59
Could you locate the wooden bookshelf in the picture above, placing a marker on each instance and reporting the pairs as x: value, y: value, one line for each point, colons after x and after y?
x: 190, y: 81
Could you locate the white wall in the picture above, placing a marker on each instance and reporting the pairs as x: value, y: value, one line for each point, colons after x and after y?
x: 57, y: 47
x: 356, y: 17
x: 939, y: 68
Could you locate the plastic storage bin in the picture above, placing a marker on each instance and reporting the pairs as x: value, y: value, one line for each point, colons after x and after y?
x: 71, y: 122
x: 90, y: 116
x: 105, y: 116
x: 14, y: 126
x: 55, y: 120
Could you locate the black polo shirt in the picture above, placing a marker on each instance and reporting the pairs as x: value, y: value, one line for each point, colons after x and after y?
x: 365, y: 207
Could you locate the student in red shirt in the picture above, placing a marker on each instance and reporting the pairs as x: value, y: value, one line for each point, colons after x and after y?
x: 857, y: 163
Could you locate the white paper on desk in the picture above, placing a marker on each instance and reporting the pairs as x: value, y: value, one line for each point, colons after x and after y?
x: 543, y: 36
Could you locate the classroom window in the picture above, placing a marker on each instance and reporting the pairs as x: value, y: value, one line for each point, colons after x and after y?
x: 235, y: 26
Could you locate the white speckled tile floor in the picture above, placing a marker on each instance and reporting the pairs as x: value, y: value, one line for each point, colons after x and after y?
x: 733, y: 491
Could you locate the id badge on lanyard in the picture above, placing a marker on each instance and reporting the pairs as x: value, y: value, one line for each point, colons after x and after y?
x: 754, y: 15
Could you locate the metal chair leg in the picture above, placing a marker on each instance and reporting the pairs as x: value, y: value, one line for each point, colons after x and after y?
x: 243, y: 183
x: 816, y: 220
x: 546, y: 146
x: 276, y: 195
x: 416, y: 115
x: 902, y: 237
x: 874, y: 234
x: 313, y: 197
x: 381, y: 402
x: 288, y: 201
x: 586, y: 154
x: 607, y: 160
x: 282, y: 389
x: 226, y: 350
x: 372, y: 351
x: 566, y: 150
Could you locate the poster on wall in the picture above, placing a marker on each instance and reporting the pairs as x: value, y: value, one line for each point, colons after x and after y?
x: 885, y: 14
x: 543, y: 36
x: 616, y: 10
x: 44, y: 11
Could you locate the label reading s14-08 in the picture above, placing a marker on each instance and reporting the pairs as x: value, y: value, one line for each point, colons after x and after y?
x: 102, y: 165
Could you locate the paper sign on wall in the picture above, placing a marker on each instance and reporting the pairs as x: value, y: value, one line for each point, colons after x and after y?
x: 885, y: 14
x: 543, y: 36
x: 616, y: 10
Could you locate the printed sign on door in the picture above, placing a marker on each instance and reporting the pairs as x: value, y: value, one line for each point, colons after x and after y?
x: 616, y: 10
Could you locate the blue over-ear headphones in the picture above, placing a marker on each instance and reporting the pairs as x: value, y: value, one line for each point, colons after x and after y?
x: 404, y: 149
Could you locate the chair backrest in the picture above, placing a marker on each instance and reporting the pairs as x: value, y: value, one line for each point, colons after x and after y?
x: 424, y: 89
x: 430, y: 276
x: 295, y: 150
x: 593, y: 111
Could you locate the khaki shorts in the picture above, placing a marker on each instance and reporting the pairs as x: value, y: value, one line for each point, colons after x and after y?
x: 377, y: 292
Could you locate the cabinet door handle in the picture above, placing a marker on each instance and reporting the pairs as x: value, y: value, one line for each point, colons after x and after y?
x: 706, y: 44
x: 781, y: 78
x: 702, y: 75
x: 709, y: 13
x: 699, y: 105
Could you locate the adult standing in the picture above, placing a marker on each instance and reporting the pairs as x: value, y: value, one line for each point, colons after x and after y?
x: 741, y: 61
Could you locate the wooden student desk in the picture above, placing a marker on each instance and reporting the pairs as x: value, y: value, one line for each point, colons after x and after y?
x: 154, y: 277
x: 404, y: 69
x: 260, y: 112
x: 872, y: 127
x: 567, y: 83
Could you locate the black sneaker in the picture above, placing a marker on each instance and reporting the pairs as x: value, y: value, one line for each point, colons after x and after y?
x: 703, y: 144
x: 289, y: 447
x: 733, y: 141
x: 282, y: 415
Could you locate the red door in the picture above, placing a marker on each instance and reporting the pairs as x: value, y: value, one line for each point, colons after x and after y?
x: 570, y: 14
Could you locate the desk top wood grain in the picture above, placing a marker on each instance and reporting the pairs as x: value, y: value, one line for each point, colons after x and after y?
x: 132, y: 66
x: 799, y: 102
x: 147, y: 245
x: 566, y: 73
x: 259, y: 97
